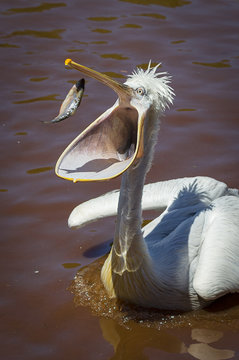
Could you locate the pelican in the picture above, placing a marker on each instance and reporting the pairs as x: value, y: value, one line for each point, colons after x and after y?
x: 189, y: 255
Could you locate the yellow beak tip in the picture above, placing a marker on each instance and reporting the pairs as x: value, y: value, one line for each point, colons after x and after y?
x: 67, y: 62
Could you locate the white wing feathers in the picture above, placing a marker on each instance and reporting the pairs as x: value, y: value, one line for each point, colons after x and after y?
x: 94, y: 209
x: 156, y: 196
x: 217, y: 271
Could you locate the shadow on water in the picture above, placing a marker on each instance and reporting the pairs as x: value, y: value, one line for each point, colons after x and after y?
x: 98, y: 250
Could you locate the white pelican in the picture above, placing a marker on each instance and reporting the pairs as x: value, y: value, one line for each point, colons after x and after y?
x: 189, y: 255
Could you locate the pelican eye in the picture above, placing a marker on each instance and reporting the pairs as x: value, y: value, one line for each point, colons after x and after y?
x: 140, y: 91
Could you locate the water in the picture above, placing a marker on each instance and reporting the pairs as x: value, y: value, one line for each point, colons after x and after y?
x: 197, y: 43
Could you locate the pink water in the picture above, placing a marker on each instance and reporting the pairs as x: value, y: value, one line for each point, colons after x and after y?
x: 198, y: 44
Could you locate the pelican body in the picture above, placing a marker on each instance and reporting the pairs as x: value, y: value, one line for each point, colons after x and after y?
x: 186, y: 257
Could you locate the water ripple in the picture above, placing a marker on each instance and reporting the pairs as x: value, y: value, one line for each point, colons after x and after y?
x: 39, y: 170
x: 217, y: 64
x: 42, y: 7
x: 51, y: 34
x: 102, y: 18
x: 166, y: 3
x: 114, y: 56
x: 51, y: 97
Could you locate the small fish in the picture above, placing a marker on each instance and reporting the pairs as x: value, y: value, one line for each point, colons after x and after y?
x: 71, y: 102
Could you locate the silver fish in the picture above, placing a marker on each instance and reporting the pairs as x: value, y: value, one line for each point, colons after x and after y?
x: 71, y: 102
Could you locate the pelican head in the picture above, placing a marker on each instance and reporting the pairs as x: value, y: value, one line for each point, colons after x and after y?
x: 116, y: 139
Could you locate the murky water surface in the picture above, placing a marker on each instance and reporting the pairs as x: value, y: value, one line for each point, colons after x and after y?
x: 198, y: 43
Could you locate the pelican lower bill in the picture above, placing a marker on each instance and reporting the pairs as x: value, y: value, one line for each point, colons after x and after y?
x: 105, y: 149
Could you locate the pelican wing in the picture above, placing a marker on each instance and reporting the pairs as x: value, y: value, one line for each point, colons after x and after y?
x: 156, y: 196
x: 217, y: 270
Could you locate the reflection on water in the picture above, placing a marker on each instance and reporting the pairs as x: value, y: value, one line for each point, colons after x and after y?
x: 124, y: 326
x: 202, y: 350
x: 132, y: 343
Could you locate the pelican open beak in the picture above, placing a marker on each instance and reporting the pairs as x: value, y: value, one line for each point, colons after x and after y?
x: 109, y: 145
